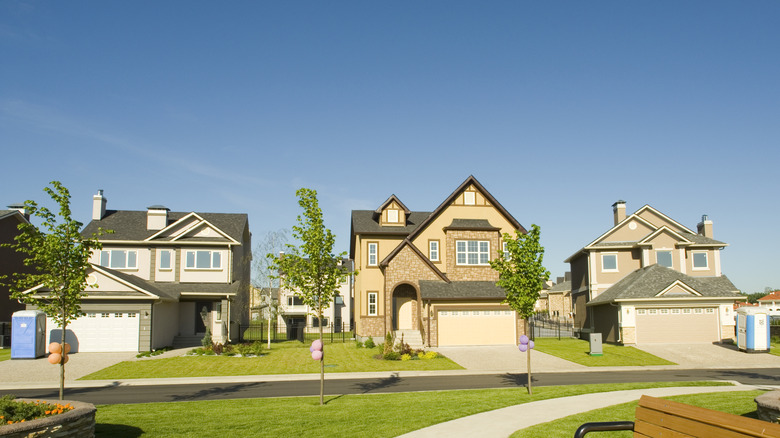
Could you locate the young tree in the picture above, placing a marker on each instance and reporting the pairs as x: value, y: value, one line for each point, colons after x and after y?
x: 522, y: 275
x: 311, y: 269
x: 59, y: 257
x: 265, y: 278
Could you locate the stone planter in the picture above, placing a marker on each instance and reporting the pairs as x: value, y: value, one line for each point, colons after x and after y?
x: 768, y: 406
x: 79, y: 422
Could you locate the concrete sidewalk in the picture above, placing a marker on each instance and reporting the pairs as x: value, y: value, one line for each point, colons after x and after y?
x: 502, y: 423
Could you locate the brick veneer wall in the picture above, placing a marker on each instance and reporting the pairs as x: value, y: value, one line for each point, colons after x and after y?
x: 628, y: 335
x: 471, y: 273
x: 77, y: 423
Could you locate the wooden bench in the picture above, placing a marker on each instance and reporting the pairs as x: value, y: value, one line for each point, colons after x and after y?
x: 657, y: 417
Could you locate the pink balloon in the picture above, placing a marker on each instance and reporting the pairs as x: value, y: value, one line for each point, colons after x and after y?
x: 316, y: 345
x: 530, y: 344
x: 523, y: 347
x: 524, y: 339
x: 54, y: 358
x: 55, y: 348
x: 316, y: 355
x: 66, y: 348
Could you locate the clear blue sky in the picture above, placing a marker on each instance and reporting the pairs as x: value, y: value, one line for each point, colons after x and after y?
x: 558, y: 108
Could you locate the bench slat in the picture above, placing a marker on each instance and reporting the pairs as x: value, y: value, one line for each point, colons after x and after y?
x: 644, y: 429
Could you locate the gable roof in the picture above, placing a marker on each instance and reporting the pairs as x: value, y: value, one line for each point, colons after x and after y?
x: 562, y: 287
x: 130, y: 225
x: 388, y: 201
x: 416, y: 251
x: 772, y: 296
x: 654, y: 281
x: 7, y: 214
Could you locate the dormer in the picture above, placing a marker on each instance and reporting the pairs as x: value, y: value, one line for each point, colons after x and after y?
x: 392, y: 212
x: 471, y: 196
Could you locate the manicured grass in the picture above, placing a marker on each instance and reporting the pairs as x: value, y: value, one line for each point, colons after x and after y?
x: 774, y: 346
x: 5, y: 354
x: 375, y: 415
x: 284, y: 358
x: 576, y: 350
x: 738, y: 403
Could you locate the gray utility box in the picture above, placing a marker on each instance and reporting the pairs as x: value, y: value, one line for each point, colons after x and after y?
x: 595, y: 344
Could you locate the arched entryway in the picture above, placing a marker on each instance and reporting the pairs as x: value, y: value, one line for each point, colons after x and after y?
x: 405, y: 307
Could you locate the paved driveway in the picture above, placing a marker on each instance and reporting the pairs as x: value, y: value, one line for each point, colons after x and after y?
x: 711, y: 356
x: 40, y: 370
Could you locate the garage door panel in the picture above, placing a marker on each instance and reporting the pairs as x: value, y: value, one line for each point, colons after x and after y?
x: 675, y: 326
x: 476, y: 327
x: 99, y: 332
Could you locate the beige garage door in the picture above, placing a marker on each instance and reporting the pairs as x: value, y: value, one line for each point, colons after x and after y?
x: 677, y: 326
x: 476, y: 327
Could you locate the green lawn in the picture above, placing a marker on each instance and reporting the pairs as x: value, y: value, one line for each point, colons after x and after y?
x: 576, y: 350
x: 5, y: 354
x: 739, y: 403
x: 283, y: 358
x: 774, y: 346
x: 375, y: 415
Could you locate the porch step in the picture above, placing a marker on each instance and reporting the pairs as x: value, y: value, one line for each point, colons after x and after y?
x: 411, y: 337
x: 187, y: 341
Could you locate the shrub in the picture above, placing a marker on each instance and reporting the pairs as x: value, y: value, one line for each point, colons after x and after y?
x: 15, y: 411
x: 218, y: 349
x: 420, y: 355
x: 358, y: 344
x: 206, y: 341
x: 431, y: 355
x: 392, y: 355
x: 229, y: 350
x: 406, y: 357
x: 369, y: 343
x: 403, y: 348
x: 389, y: 341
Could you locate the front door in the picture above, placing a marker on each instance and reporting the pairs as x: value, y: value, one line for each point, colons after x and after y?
x: 202, y: 308
x: 402, y: 317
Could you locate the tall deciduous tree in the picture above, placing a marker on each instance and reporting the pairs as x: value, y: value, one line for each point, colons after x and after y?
x: 264, y: 277
x: 311, y: 269
x: 522, y: 275
x: 59, y: 258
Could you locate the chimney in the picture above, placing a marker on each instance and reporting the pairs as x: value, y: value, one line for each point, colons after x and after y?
x: 21, y: 208
x: 567, y: 276
x: 559, y: 280
x: 156, y: 217
x: 98, y: 206
x: 705, y: 226
x: 619, y: 209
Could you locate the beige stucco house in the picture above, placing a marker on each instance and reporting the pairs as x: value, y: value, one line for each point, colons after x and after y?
x: 555, y: 300
x: 426, y: 275
x: 650, y: 279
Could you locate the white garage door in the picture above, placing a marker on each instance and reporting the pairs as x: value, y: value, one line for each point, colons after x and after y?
x: 476, y: 327
x: 677, y: 326
x: 99, y: 332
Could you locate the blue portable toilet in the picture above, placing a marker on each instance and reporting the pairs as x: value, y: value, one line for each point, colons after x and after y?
x: 753, y: 329
x: 28, y: 334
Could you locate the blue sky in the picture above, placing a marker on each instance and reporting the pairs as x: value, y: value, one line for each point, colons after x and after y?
x: 558, y: 108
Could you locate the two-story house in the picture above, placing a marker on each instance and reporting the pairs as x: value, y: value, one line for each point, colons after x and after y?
x: 427, y: 274
x: 162, y: 279
x: 650, y: 279
x: 10, y: 261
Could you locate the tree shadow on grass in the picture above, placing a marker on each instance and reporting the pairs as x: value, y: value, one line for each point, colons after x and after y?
x: 117, y: 430
x: 380, y: 384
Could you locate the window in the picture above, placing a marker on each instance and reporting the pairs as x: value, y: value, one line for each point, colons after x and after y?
x: 131, y: 314
x: 315, y: 322
x: 91, y: 315
x: 203, y: 260
x: 294, y: 301
x: 652, y: 311
x: 372, y: 253
x: 392, y: 216
x: 433, y: 250
x: 218, y: 310
x: 105, y: 315
x: 472, y: 252
x: 700, y: 260
x: 664, y: 258
x: 119, y: 259
x: 165, y: 260
x: 372, y: 303
x: 470, y: 198
x: 338, y: 300
x: 609, y: 262
x: 676, y: 311
x: 640, y: 311
x: 443, y: 312
x: 118, y: 315
x: 506, y: 251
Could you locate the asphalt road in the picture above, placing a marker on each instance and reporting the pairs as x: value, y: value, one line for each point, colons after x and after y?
x: 190, y: 392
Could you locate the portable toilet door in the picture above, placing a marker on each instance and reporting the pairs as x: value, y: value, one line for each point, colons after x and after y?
x: 28, y: 334
x: 753, y: 330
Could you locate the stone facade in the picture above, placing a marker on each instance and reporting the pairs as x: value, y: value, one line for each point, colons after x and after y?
x: 628, y: 335
x: 374, y: 326
x: 406, y: 268
x: 471, y: 273
x: 77, y: 423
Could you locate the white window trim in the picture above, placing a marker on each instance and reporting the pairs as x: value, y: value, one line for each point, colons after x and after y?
x: 467, y: 253
x: 432, y: 251
x: 617, y: 266
x: 693, y: 260
x: 373, y: 295
x: 375, y: 262
x: 671, y: 255
x: 159, y: 260
x: 111, y: 251
x: 195, y: 260
x: 393, y: 216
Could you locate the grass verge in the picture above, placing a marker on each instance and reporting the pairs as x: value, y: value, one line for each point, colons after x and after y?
x: 375, y: 415
x: 738, y: 403
x: 576, y: 350
x: 5, y: 354
x: 283, y: 358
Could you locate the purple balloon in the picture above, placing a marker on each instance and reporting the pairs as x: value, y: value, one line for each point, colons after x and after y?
x: 524, y: 339
x: 523, y: 347
x: 530, y: 344
x: 316, y: 345
x: 316, y: 355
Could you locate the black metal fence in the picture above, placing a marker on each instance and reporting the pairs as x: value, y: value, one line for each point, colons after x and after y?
x: 5, y: 334
x: 296, y: 332
x: 543, y: 326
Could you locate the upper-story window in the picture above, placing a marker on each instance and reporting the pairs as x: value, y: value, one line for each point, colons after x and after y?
x: 700, y: 260
x: 609, y: 262
x: 505, y: 251
x: 294, y: 301
x: 472, y: 252
x: 373, y: 248
x: 166, y: 257
x: 470, y: 198
x: 664, y: 258
x: 392, y: 216
x: 203, y: 260
x: 433, y: 250
x: 119, y: 259
x: 338, y: 300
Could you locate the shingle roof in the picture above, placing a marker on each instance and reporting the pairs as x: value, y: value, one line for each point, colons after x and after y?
x: 367, y: 222
x: 173, y: 290
x: 131, y: 225
x: 439, y: 290
x: 564, y: 286
x: 471, y: 224
x: 649, y: 281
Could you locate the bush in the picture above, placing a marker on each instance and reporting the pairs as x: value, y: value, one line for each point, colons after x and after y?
x: 15, y: 412
x: 369, y: 343
x: 358, y: 344
x: 388, y: 346
x: 406, y: 357
x: 392, y: 355
x: 218, y: 349
x: 430, y: 355
x: 207, y: 341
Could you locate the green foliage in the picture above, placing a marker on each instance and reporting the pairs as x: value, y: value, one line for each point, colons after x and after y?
x: 406, y: 357
x: 370, y: 343
x: 522, y: 274
x: 392, y: 355
x: 753, y: 298
x: 151, y: 353
x: 358, y: 344
x: 389, y: 342
x: 16, y: 411
x: 207, y: 341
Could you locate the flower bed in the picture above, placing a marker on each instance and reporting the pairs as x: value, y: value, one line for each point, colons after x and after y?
x: 65, y: 419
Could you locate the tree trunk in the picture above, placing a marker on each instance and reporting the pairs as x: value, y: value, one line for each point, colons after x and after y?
x: 269, y: 327
x: 62, y: 358
x: 322, y: 360
x: 530, y: 389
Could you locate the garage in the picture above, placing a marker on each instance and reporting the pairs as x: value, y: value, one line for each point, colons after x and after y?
x: 674, y: 325
x: 476, y: 327
x: 99, y: 332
